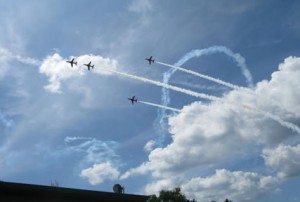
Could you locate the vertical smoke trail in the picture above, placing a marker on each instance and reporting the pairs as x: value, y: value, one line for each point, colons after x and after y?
x: 160, y: 123
x: 160, y: 106
x: 214, y: 49
x: 219, y: 81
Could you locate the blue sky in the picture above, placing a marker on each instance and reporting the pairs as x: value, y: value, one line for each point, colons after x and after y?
x: 78, y: 128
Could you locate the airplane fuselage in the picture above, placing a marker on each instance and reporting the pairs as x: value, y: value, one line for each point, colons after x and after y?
x: 150, y: 60
x: 133, y: 100
x: 89, y: 65
x: 72, y: 62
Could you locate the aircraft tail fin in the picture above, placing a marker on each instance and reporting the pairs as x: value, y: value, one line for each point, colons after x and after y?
x: 75, y: 63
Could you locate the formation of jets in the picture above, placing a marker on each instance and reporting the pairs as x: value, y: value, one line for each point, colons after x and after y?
x: 73, y: 62
x: 134, y: 99
x: 90, y: 65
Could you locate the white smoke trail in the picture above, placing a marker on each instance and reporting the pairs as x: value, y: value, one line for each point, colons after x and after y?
x: 175, y: 88
x: 26, y: 60
x: 165, y: 97
x: 161, y: 106
x: 286, y: 124
x: 214, y: 49
x: 219, y: 81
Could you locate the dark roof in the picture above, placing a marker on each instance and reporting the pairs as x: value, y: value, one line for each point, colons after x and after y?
x: 11, y: 192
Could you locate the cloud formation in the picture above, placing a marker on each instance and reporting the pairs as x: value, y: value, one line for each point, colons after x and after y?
x: 149, y: 146
x: 98, y: 173
x: 237, y: 185
x: 95, y: 151
x: 96, y: 158
x: 213, y: 135
x: 285, y: 159
x: 58, y: 70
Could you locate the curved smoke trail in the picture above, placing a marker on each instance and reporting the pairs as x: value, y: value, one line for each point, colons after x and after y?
x: 203, y: 76
x: 160, y: 122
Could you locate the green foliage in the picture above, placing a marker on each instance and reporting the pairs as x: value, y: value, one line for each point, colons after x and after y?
x: 174, y: 195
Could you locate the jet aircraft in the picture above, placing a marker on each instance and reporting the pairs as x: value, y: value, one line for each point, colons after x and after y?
x: 72, y: 62
x: 133, y: 99
x: 150, y: 60
x: 89, y: 65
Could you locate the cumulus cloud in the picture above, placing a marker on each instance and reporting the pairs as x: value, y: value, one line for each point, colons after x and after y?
x: 98, y: 173
x: 58, y: 70
x: 142, y: 169
x: 237, y: 185
x: 284, y: 158
x: 212, y: 135
x: 283, y: 89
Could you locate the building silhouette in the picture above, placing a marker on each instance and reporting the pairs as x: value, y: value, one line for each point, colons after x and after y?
x: 17, y: 192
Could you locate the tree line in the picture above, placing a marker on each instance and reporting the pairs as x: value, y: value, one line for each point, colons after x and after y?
x: 174, y: 195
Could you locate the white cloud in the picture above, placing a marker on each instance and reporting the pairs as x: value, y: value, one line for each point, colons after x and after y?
x: 69, y: 139
x: 161, y: 184
x: 98, y: 173
x: 284, y: 158
x: 283, y: 89
x: 149, y: 145
x: 96, y: 158
x: 142, y: 169
x: 238, y: 186
x: 212, y: 135
x: 58, y: 70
